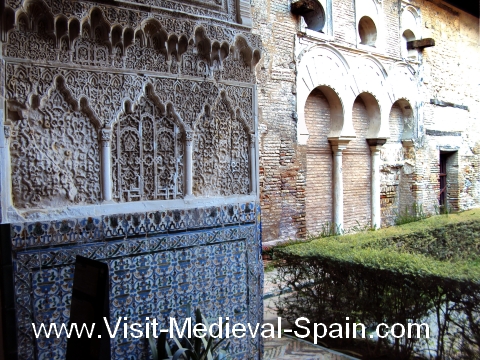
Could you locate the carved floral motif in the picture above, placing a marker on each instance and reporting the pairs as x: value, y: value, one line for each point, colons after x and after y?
x: 55, y: 156
x: 221, y: 153
x: 101, y: 39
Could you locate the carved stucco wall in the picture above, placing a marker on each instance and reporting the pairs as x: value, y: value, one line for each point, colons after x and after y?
x: 111, y: 72
x: 130, y: 127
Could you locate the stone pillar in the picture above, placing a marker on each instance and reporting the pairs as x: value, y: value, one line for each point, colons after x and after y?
x: 338, y: 145
x: 188, y: 163
x: 252, y: 164
x: 375, y: 146
x: 106, y: 138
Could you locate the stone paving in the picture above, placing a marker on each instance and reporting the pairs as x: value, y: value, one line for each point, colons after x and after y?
x: 286, y: 347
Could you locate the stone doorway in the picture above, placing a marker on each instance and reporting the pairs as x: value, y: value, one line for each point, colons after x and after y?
x: 448, y: 181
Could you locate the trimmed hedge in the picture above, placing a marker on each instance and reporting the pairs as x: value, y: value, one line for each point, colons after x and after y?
x: 427, y: 271
x: 445, y: 246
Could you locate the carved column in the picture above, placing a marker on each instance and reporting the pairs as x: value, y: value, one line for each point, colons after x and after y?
x: 252, y: 164
x: 338, y: 145
x: 106, y: 137
x: 5, y: 175
x: 188, y: 163
x: 375, y: 146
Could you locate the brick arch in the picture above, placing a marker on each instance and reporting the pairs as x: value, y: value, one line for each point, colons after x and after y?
x: 374, y: 114
x: 373, y: 85
x: 324, y: 67
x: 403, y: 83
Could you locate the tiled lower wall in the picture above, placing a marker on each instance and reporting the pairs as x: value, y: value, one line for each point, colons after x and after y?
x: 161, y: 264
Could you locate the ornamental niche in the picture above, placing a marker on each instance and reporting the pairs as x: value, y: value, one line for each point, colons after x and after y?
x: 147, y: 152
x: 55, y: 153
x: 221, y: 164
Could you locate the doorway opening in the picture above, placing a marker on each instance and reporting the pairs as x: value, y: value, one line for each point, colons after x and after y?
x: 448, y: 181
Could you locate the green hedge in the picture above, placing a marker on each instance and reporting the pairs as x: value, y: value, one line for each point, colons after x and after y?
x: 445, y: 246
x: 419, y: 272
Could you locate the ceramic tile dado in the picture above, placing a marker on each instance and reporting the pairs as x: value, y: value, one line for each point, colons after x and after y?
x: 162, y: 265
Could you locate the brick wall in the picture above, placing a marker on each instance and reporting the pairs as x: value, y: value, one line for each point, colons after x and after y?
x: 319, y: 205
x: 344, y: 27
x: 281, y: 176
x: 450, y: 72
x: 295, y: 180
x: 392, y: 25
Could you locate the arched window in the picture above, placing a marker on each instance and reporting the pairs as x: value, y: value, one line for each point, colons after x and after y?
x: 367, y: 31
x: 407, y: 36
x: 315, y: 19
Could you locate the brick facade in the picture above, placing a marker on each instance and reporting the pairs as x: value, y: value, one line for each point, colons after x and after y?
x: 381, y: 95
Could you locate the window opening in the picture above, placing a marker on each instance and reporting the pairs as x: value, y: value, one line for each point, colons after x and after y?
x: 315, y: 19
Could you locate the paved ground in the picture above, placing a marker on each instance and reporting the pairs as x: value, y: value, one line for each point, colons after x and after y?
x: 288, y: 348
x: 285, y: 347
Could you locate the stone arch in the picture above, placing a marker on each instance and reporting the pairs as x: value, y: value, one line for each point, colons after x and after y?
x: 374, y: 114
x: 372, y: 83
x: 73, y: 29
x: 221, y: 159
x: 243, y: 50
x: 147, y: 151
x: 410, y: 19
x: 97, y: 22
x: 61, y: 27
x: 403, y: 84
x: 40, y: 16
x: 369, y: 24
x: 203, y: 44
x: 333, y: 77
x: 21, y: 21
x: 128, y: 36
x: 410, y: 29
x: 154, y: 35
x: 116, y: 35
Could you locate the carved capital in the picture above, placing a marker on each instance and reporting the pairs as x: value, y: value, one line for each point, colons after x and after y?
x: 376, y: 144
x: 252, y: 140
x: 189, y: 137
x: 7, y: 131
x: 105, y: 137
x: 339, y: 144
